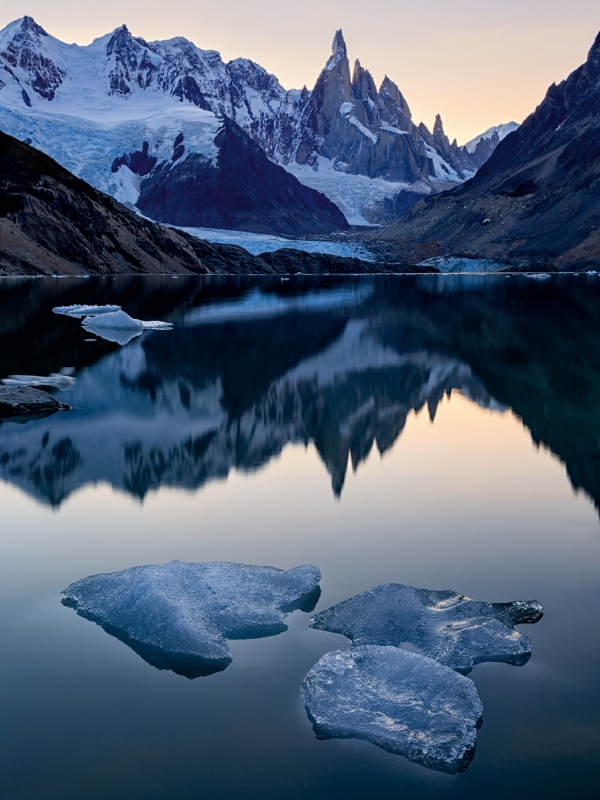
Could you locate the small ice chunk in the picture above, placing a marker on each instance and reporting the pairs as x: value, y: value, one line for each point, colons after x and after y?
x: 115, y: 320
x: 116, y: 327
x: 58, y: 380
x: 119, y: 327
x: 401, y: 701
x: 177, y: 616
x: 447, y: 626
x: 79, y: 311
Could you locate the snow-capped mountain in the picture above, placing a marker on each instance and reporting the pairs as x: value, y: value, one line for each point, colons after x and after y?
x: 88, y: 107
x: 501, y: 131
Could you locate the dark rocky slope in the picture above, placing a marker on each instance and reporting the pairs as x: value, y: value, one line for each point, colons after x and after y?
x: 537, y: 200
x: 240, y: 190
x: 52, y: 223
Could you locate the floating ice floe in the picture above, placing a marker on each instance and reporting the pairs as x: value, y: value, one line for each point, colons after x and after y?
x: 177, y: 616
x: 58, y: 380
x: 79, y: 311
x: 401, y: 701
x: 446, y: 626
x: 111, y: 322
x: 119, y: 327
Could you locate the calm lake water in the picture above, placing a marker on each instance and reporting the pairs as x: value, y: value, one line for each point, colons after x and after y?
x: 438, y: 431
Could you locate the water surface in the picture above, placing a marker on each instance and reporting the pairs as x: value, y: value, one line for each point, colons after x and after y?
x: 439, y: 431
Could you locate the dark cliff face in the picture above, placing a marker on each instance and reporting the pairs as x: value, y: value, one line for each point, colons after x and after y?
x: 241, y: 189
x: 537, y: 198
x: 54, y: 223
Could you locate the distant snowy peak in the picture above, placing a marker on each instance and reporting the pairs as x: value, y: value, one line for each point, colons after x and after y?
x: 89, y: 106
x: 501, y: 131
x: 27, y: 52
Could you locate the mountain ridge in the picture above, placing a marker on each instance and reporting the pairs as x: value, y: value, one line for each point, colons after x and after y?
x: 536, y: 201
x: 120, y: 91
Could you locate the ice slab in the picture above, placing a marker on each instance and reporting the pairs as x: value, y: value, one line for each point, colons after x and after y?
x: 447, y: 626
x: 80, y: 311
x: 403, y: 702
x: 177, y: 616
x: 119, y: 327
x: 58, y: 380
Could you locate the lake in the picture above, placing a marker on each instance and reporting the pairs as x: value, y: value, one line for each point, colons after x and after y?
x: 441, y: 431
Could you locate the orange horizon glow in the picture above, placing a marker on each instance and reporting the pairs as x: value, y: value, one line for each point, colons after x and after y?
x: 475, y: 63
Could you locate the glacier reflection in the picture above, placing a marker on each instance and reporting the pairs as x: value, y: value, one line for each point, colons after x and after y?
x: 156, y: 414
x: 252, y: 366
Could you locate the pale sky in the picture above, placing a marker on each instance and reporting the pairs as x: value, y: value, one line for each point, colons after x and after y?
x: 476, y: 62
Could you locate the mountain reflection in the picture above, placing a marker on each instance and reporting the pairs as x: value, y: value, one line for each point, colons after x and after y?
x: 228, y: 390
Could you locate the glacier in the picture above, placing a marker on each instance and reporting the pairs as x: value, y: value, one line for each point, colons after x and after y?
x: 258, y: 243
x: 444, y: 625
x: 178, y: 616
x: 400, y: 701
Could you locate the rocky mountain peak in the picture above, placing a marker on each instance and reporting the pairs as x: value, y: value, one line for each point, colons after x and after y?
x: 29, y: 25
x: 438, y: 128
x: 25, y: 51
x: 131, y: 61
x: 439, y: 135
x: 593, y: 59
x: 390, y: 89
x: 338, y: 46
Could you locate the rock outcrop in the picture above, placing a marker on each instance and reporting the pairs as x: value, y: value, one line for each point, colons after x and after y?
x: 536, y: 202
x: 54, y: 223
x: 240, y: 189
x: 22, y: 403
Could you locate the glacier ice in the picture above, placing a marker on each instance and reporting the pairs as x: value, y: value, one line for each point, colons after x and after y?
x: 447, y: 626
x: 58, y: 380
x: 110, y: 322
x: 177, y: 616
x: 80, y: 311
x: 400, y: 701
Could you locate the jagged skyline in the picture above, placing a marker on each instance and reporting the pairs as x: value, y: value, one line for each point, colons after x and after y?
x: 483, y: 65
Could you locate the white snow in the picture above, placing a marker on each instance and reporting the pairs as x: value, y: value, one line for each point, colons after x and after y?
x: 351, y: 193
x: 501, y: 130
x: 87, y: 146
x: 365, y: 131
x: 386, y: 127
x: 442, y: 169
